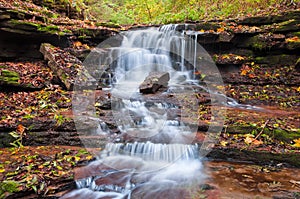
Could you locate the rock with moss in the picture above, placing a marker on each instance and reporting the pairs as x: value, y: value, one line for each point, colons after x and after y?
x: 277, y: 60
x: 291, y: 25
x: 8, y: 77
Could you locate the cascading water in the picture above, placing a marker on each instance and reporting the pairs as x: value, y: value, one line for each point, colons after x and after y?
x: 159, y: 160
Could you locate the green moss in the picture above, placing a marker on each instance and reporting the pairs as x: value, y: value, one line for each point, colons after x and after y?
x: 289, y: 25
x: 108, y: 24
x: 285, y: 136
x: 18, y: 13
x: 9, y: 186
x: 48, y: 28
x: 275, y: 60
x: 255, y: 42
x: 9, y: 77
x: 24, y: 25
x: 296, y: 34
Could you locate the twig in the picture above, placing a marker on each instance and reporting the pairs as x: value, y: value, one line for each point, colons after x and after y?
x: 262, y: 130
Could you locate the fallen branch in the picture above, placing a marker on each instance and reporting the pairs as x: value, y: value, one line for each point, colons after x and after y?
x: 262, y: 130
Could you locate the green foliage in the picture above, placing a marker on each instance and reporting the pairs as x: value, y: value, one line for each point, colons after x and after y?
x: 8, y: 186
x: 18, y: 139
x: 168, y: 11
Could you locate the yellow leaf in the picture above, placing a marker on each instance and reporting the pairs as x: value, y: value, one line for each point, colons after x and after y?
x: 248, y: 139
x: 297, y: 143
x: 89, y: 157
x: 226, y: 57
x: 239, y: 57
x: 298, y: 89
x: 2, y: 170
x: 77, y: 158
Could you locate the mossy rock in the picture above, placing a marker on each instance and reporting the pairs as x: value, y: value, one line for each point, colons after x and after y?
x: 261, y: 20
x: 22, y: 25
x: 276, y: 60
x: 264, y: 20
x: 71, y: 9
x: 9, y: 77
x: 48, y: 28
x: 285, y: 136
x: 255, y: 43
x: 296, y: 34
x: 207, y: 26
x: 293, y: 45
x: 108, y: 24
x: 287, y: 26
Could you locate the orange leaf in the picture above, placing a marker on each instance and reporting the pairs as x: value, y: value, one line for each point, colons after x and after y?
x: 20, y: 129
x: 251, y: 76
x: 244, y: 72
x: 220, y: 29
x: 77, y: 44
x: 293, y: 39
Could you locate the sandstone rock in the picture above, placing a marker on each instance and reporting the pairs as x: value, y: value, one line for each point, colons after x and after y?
x: 154, y: 81
x: 67, y: 67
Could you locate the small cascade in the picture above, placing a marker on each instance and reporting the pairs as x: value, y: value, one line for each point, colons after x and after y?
x: 153, y: 152
x: 159, y: 157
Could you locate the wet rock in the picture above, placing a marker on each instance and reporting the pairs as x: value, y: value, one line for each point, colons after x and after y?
x: 154, y: 81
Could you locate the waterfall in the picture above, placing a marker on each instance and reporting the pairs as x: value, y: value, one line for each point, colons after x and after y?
x: 160, y: 155
x: 154, y: 152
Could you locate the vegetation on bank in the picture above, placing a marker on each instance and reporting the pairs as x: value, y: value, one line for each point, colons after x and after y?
x: 170, y: 11
x: 153, y: 11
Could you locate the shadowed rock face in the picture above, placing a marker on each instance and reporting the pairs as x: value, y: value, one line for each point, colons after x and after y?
x: 154, y: 81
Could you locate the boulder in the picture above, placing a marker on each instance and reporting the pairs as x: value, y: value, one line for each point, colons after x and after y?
x: 154, y: 81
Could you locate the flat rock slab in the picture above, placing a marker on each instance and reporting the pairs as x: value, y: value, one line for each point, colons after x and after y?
x: 67, y: 67
x: 154, y: 81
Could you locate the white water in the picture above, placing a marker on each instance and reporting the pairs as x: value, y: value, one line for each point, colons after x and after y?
x: 161, y: 158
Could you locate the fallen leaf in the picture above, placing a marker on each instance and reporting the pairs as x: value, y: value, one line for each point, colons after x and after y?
x: 239, y: 57
x: 220, y: 29
x: 244, y: 72
x: 297, y: 143
x: 20, y: 129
